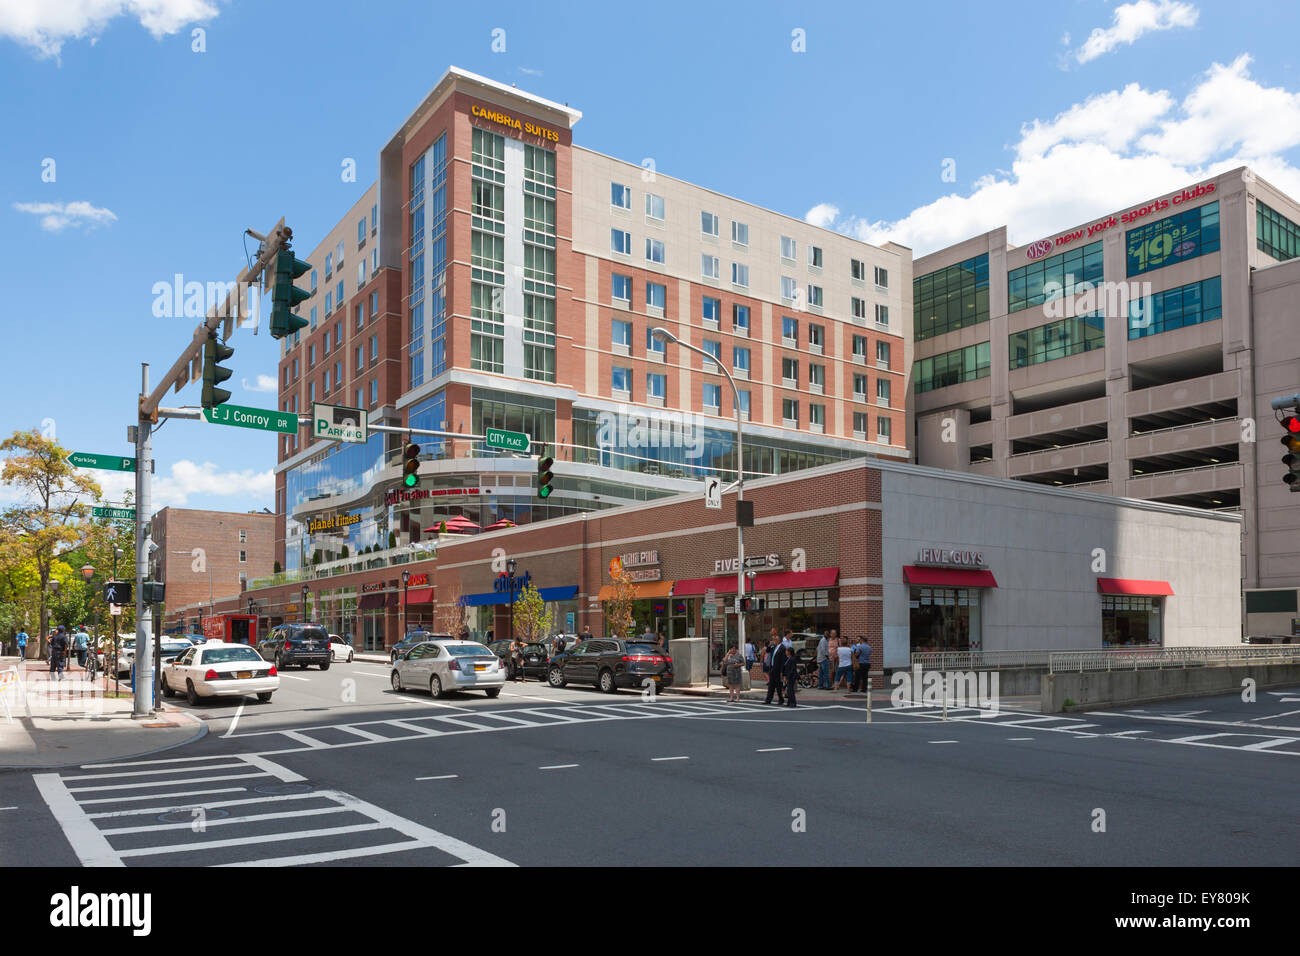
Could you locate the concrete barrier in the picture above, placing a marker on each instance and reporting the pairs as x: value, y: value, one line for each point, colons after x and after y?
x: 1094, y: 688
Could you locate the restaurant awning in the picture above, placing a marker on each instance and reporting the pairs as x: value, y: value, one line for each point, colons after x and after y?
x: 644, y: 589
x: 1134, y: 587
x: 949, y: 577
x: 767, y: 581
x: 419, y: 596
x: 373, y: 602
x: 564, y: 593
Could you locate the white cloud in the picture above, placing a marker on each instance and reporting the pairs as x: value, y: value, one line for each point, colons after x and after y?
x: 264, y: 383
x: 1131, y: 21
x: 530, y: 72
x: 188, y: 479
x: 45, y: 25
x: 57, y: 216
x: 1111, y: 151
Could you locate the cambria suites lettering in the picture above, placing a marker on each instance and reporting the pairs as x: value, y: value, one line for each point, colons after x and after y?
x: 527, y: 127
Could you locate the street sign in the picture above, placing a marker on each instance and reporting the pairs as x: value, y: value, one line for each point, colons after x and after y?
x: 83, y: 459
x: 265, y: 419
x: 117, y: 592
x: 713, y: 492
x: 509, y: 441
x: 113, y: 513
x: 709, y: 610
x: 339, y: 423
x: 115, y: 609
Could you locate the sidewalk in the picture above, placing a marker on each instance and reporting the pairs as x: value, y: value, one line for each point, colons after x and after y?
x: 53, y: 723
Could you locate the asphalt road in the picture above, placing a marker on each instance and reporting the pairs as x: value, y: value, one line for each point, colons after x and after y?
x: 339, y: 769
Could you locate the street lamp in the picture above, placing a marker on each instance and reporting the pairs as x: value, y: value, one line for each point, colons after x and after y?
x: 406, y: 577
x: 511, y: 565
x: 304, y: 604
x: 663, y: 335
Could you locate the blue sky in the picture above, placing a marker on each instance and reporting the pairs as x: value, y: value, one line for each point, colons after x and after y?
x: 163, y: 155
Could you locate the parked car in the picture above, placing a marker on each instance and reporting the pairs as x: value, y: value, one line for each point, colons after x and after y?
x: 537, y: 658
x: 412, y: 639
x: 341, y: 648
x: 218, y: 669
x: 611, y: 663
x: 444, y: 666
x: 300, y: 644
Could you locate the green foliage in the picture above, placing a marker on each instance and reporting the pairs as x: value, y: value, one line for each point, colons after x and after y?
x: 532, y: 615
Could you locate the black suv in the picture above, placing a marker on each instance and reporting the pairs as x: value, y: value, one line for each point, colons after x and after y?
x: 611, y: 663
x: 415, y: 637
x: 301, y: 644
x: 536, y: 660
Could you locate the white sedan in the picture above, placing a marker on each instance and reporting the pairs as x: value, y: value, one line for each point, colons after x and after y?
x: 340, y: 650
x: 444, y: 666
x: 217, y: 669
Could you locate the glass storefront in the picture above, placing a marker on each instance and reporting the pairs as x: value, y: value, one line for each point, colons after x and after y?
x: 1128, y: 621
x: 944, y: 619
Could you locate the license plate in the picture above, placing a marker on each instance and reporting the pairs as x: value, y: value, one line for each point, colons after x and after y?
x: 243, y: 675
x: 480, y: 667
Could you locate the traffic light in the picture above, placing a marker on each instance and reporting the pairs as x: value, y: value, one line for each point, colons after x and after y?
x: 285, y: 295
x: 544, y: 476
x: 1292, y: 457
x: 214, y: 374
x: 411, y: 465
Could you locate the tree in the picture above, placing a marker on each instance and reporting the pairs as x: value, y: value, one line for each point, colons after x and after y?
x: 48, y: 519
x: 618, y: 609
x: 275, y: 567
x: 532, y: 615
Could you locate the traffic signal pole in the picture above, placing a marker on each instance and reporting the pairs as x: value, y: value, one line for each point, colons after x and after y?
x: 143, y: 704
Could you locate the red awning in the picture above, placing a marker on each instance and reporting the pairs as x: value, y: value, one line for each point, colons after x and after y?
x: 771, y: 581
x: 949, y: 577
x: 1134, y: 587
x: 370, y: 602
x: 419, y: 596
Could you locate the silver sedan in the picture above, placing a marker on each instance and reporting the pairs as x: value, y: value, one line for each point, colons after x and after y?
x: 444, y: 666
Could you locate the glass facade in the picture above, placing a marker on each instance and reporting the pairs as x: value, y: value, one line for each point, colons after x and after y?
x: 342, y: 469
x: 1175, y: 308
x: 1056, y: 340
x: 1127, y: 620
x: 529, y: 414
x: 944, y: 619
x: 1275, y: 234
x: 1175, y: 239
x: 1032, y: 284
x: 952, y: 368
x: 437, y: 213
x: 951, y: 298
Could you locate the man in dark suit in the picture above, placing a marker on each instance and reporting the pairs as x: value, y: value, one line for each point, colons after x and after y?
x: 790, y: 671
x: 776, y: 674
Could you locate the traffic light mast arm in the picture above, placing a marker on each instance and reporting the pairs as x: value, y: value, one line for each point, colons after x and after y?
x: 179, y: 374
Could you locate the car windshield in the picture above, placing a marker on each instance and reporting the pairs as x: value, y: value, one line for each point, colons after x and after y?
x: 229, y: 655
x: 467, y: 650
x: 643, y: 649
x: 170, y: 647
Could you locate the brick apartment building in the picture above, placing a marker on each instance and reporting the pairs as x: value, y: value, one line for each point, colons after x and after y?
x: 204, y: 555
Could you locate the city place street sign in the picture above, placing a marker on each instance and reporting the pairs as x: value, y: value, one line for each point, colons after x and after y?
x: 83, y: 459
x: 509, y: 441
x: 264, y: 419
x: 339, y: 423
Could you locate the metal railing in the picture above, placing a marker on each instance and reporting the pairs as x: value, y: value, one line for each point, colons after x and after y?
x: 1185, y: 425
x: 388, y: 557
x: 1082, y: 444
x: 975, y: 660
x: 1119, y: 659
x: 1182, y: 471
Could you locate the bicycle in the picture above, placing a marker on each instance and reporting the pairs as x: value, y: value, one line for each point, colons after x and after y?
x: 92, y: 665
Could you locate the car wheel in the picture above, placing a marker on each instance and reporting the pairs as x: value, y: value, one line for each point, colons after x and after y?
x: 493, y: 692
x: 607, y: 683
x: 167, y: 691
x: 325, y: 666
x: 435, y: 687
x: 397, y: 682
x: 264, y: 696
x: 279, y: 662
x: 191, y: 694
x: 349, y: 657
x: 555, y: 677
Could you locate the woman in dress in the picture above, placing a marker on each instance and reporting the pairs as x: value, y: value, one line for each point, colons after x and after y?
x: 731, y: 666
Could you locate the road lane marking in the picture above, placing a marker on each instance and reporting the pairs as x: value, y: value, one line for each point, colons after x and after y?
x: 1193, y: 720
x: 1129, y: 733
x: 559, y: 766
x: 944, y: 741
x: 1020, y: 738
x: 772, y: 750
x: 414, y: 728
x: 670, y: 758
x: 363, y: 734
x: 293, y: 677
x: 274, y: 769
x: 235, y: 722
x: 311, y: 742
x: 445, y: 776
x: 87, y: 842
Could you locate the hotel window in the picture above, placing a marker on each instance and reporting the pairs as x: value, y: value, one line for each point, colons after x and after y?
x: 654, y: 250
x: 361, y: 314
x: 1178, y: 238
x: 374, y: 306
x: 789, y: 331
x: 313, y: 319
x: 709, y: 224
x: 620, y: 241
x: 338, y: 254
x: 711, y: 310
x: 1056, y: 340
x: 654, y: 346
x: 374, y: 219
x: 814, y: 257
x: 742, y: 395
x: 656, y: 385
x: 714, y: 349
x: 488, y: 206
x: 816, y: 339
x: 789, y: 289
x: 361, y: 398
x: 338, y: 294
x: 882, y: 314
x: 1035, y: 283
x: 539, y: 338
x: 329, y: 302
x: 620, y: 288
x: 311, y: 356
x: 739, y: 233
x: 740, y: 360
x: 817, y: 416
x: 311, y: 391
x: 361, y: 358
x: 488, y: 156
x: 814, y: 297
x: 860, y: 349
x: 788, y: 248
x: 286, y: 375
x: 326, y: 389
x: 712, y: 396
x: 951, y: 368
x: 882, y: 355
x: 654, y: 207
x: 361, y: 272
x: 487, y: 258
x: 882, y: 392
x: 952, y: 298
x: 329, y: 265
x: 361, y: 232
x: 621, y: 336
x: 859, y: 387
x: 858, y: 270
x: 882, y: 277
x: 313, y: 280
x: 620, y: 380
x: 374, y: 391
x: 1275, y: 234
x: 487, y: 329
x: 295, y: 370
x: 326, y: 349
x: 859, y: 308
x: 708, y: 266
x: 374, y: 261
x: 1176, y: 308
x: 882, y: 429
x: 790, y: 372
x: 539, y: 269
x: 740, y: 275
x: 374, y: 348
x: 860, y: 420
x: 620, y: 196
x: 656, y: 297
x: 816, y: 378
x: 740, y: 318
x: 790, y: 412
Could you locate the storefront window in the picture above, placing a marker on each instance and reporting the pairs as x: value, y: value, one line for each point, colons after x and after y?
x: 1130, y: 621
x: 945, y: 619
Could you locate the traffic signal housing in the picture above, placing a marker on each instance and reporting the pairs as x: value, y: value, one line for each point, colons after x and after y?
x: 544, y: 476
x: 1292, y: 457
x: 411, y: 465
x: 285, y: 296
x: 214, y: 374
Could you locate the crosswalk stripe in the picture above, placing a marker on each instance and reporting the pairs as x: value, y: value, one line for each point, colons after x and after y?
x: 364, y: 734
x: 311, y: 742
x: 151, y: 796
x: 228, y: 821
x: 169, y: 783
x: 329, y: 856
x: 204, y: 845
x: 207, y: 804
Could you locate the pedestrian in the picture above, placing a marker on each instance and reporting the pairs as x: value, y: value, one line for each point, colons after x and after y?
x: 751, y: 654
x: 731, y: 665
x: 22, y: 646
x: 790, y: 670
x: 776, y: 674
x: 560, y: 644
x: 823, y: 664
x: 663, y: 643
x: 861, y: 664
x: 517, y: 653
x: 81, y: 641
x: 586, y: 633
x: 844, y: 673
x: 832, y: 656
x: 58, y: 647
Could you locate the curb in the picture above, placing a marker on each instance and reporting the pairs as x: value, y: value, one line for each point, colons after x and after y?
x: 203, y: 732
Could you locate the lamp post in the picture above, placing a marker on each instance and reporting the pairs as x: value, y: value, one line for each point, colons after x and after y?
x: 664, y: 335
x: 304, y: 604
x: 406, y: 578
x: 511, y: 565
x: 88, y: 572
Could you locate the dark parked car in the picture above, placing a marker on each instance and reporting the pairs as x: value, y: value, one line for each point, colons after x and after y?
x: 415, y: 637
x: 301, y: 644
x: 536, y: 658
x: 611, y: 663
